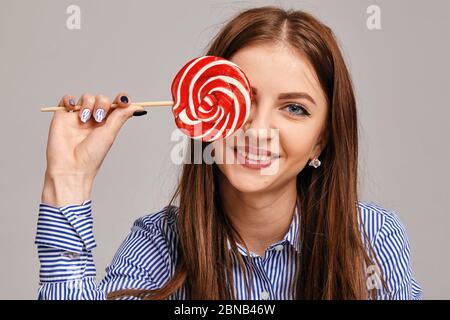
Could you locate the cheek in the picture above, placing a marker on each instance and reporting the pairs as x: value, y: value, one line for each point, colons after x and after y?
x: 297, y: 142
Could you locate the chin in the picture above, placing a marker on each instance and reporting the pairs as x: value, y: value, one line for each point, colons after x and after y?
x: 247, y: 181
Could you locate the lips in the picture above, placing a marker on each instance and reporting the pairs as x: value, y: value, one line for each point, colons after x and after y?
x: 254, y: 153
x: 254, y: 158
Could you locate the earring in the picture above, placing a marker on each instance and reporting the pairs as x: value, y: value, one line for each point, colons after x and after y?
x: 315, y: 163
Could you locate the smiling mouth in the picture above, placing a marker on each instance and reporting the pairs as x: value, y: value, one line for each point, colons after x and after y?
x: 254, y: 158
x: 256, y: 154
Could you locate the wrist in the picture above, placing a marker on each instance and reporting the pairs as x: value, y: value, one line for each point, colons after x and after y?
x: 65, y: 189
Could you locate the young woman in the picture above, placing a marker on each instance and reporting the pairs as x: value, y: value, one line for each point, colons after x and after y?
x: 299, y: 233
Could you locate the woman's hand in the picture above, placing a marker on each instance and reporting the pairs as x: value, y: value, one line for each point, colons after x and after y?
x: 78, y: 142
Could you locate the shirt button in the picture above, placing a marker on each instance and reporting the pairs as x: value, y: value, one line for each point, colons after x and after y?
x: 279, y: 247
x: 264, y: 295
x: 71, y: 255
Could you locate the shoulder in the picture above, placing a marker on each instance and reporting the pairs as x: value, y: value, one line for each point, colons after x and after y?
x: 157, y: 232
x: 147, y: 257
x: 388, y: 237
x: 152, y: 238
x: 376, y: 221
x: 159, y: 222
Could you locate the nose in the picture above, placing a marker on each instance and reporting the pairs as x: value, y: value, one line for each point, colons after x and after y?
x: 259, y: 124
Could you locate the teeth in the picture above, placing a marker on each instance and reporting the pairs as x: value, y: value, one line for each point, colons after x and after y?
x: 243, y: 154
x: 253, y: 157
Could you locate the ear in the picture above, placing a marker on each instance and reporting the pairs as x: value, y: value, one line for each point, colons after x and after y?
x: 315, y: 153
x: 319, y: 146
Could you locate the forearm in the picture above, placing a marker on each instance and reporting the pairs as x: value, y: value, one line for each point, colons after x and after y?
x: 61, y: 190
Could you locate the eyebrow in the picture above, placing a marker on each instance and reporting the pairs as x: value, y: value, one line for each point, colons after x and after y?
x: 290, y: 95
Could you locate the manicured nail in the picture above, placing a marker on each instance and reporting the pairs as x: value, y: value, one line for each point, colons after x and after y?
x: 124, y: 99
x: 85, y: 115
x: 139, y: 113
x: 99, y: 115
x: 71, y: 102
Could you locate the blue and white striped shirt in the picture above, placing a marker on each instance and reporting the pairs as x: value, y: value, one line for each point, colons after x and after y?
x: 147, y: 257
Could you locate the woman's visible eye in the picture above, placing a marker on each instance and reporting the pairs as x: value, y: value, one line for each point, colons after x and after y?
x: 296, y: 110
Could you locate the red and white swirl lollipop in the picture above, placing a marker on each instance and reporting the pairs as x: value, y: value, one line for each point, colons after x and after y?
x: 212, y: 98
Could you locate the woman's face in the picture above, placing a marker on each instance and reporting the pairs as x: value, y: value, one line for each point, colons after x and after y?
x: 287, y: 97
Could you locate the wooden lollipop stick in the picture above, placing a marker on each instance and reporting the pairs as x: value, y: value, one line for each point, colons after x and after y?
x: 142, y: 104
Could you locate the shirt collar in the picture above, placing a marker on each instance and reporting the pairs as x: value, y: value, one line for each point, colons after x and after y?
x: 290, y: 238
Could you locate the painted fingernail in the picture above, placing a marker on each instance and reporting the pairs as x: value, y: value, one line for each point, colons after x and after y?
x: 124, y: 99
x: 72, y: 102
x: 99, y: 115
x: 139, y: 113
x: 85, y: 115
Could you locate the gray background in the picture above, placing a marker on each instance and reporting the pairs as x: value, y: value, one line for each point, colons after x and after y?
x: 400, y: 74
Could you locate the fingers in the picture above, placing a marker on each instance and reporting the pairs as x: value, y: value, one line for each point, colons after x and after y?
x: 86, y: 103
x: 122, y: 113
x: 68, y: 102
x: 122, y: 100
x: 101, y: 108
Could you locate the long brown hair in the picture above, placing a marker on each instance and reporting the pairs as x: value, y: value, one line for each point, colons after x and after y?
x: 333, y: 254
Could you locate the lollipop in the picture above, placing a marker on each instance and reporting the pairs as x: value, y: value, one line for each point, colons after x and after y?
x: 211, y: 98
